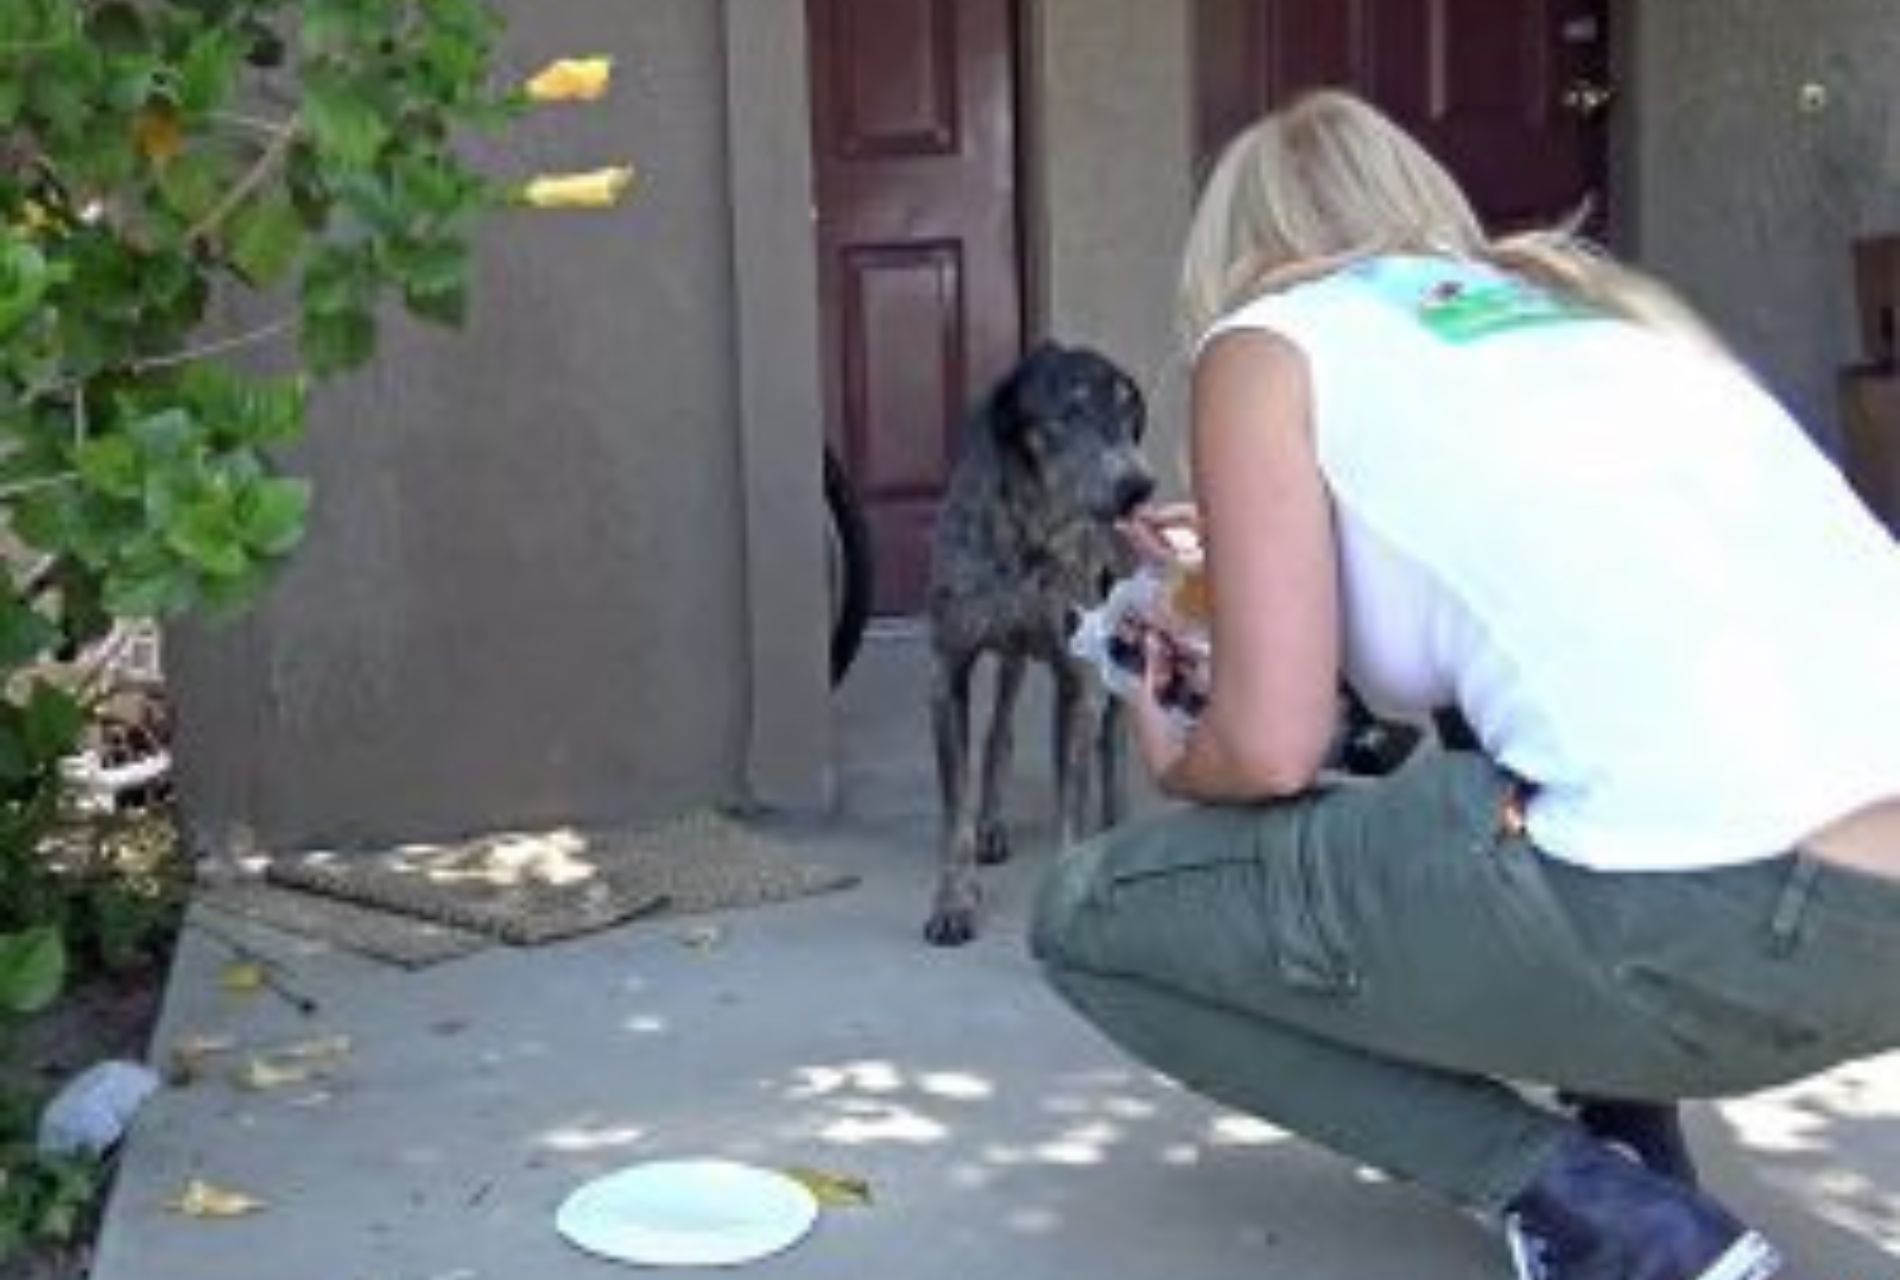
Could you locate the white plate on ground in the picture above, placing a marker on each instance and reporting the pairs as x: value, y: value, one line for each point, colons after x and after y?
x: 688, y: 1213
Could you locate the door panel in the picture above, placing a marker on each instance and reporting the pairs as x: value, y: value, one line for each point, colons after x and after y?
x: 1481, y: 82
x: 914, y: 148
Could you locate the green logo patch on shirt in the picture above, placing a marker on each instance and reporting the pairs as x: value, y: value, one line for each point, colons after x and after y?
x: 1461, y: 311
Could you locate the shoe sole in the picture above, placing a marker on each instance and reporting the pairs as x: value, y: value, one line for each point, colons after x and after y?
x: 1751, y: 1257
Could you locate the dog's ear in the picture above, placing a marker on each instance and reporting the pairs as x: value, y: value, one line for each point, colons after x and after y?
x: 1130, y: 403
x: 1022, y: 396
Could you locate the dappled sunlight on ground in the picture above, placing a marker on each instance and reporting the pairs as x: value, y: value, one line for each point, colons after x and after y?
x: 587, y: 1137
x: 1823, y: 1142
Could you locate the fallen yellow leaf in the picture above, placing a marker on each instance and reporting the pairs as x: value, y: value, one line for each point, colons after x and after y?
x: 317, y: 1048
x: 245, y: 977
x: 262, y: 1074
x: 832, y: 1190
x: 200, y: 1199
x: 191, y: 1054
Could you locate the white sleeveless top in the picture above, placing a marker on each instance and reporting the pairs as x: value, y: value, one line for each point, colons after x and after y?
x: 1648, y: 592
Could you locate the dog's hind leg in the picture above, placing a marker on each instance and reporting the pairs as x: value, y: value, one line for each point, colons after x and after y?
x: 953, y: 917
x: 1108, y: 758
x: 950, y: 726
x: 992, y: 838
x: 1073, y: 709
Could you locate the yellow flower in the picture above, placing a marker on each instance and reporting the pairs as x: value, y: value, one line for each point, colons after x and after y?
x: 572, y: 80
x: 600, y: 189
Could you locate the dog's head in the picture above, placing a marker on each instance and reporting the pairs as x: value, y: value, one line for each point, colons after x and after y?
x: 1076, y: 421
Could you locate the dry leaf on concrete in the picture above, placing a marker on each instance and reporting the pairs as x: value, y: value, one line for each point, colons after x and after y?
x: 702, y: 937
x: 242, y: 977
x: 832, y: 1190
x: 260, y: 1074
x: 200, y: 1199
x: 191, y: 1054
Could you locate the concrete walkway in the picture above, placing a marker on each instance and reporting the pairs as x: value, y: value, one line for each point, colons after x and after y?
x: 999, y: 1135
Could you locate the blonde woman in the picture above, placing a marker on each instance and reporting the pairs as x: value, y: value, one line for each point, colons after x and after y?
x: 1513, y: 478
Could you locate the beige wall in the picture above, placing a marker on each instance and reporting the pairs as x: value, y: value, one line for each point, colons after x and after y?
x: 1111, y: 184
x: 525, y: 594
x: 1745, y: 200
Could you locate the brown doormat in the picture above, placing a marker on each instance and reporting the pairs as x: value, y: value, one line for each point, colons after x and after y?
x: 389, y: 936
x: 532, y: 887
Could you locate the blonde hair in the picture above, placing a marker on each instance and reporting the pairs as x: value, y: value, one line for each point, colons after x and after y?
x: 1329, y: 180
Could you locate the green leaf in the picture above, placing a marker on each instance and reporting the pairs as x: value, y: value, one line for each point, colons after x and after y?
x: 447, y: 307
x: 209, y: 69
x: 24, y: 280
x: 192, y: 184
x: 117, y: 28
x: 165, y: 434
x: 25, y: 633
x: 32, y: 969
x: 51, y: 722
x: 431, y: 266
x: 339, y: 340
x: 144, y: 594
x: 206, y: 534
x: 265, y: 239
x: 331, y: 25
x: 344, y: 119
x: 272, y: 513
x: 339, y: 278
x: 111, y: 465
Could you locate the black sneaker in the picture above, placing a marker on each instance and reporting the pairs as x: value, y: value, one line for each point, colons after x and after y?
x: 1594, y: 1215
x: 1650, y: 1131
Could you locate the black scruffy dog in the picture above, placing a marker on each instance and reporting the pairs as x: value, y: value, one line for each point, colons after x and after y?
x: 1025, y: 542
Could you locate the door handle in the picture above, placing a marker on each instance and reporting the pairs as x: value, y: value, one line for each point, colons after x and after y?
x: 1587, y: 99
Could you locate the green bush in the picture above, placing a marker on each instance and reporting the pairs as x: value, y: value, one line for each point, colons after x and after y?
x: 154, y: 155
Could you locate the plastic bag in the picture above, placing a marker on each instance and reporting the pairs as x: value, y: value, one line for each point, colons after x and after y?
x: 91, y: 1112
x: 1111, y: 638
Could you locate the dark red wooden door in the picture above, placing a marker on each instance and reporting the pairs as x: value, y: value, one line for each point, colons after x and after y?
x: 914, y: 149
x: 1510, y: 94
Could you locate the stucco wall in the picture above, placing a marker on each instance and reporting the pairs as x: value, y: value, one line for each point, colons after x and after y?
x: 1111, y: 186
x: 1747, y: 201
x: 522, y: 597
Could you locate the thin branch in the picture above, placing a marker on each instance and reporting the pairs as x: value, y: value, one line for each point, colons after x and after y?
x: 149, y: 364
x: 20, y: 488
x: 257, y: 124
x: 241, y: 192
x: 82, y: 422
x: 216, y: 347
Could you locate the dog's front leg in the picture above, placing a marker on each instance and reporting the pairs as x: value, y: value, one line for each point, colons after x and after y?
x: 992, y: 839
x: 953, y: 917
x: 1108, y: 755
x: 1073, y: 710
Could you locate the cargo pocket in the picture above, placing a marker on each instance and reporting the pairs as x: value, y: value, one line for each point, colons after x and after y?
x: 1713, y: 1024
x: 1246, y: 891
x: 1310, y: 949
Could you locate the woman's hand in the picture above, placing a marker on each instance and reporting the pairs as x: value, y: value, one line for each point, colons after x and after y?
x: 1161, y: 533
x: 1167, y: 677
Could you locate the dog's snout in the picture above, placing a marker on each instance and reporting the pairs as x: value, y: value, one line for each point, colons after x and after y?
x: 1131, y: 491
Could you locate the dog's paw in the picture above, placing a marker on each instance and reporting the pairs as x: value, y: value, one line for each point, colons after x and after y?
x: 953, y: 922
x: 992, y: 844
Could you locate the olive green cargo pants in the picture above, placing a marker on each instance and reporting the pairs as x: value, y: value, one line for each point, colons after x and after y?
x: 1370, y: 964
